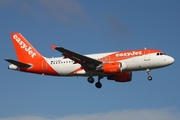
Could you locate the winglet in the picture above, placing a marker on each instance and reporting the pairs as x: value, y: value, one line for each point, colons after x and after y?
x: 53, y: 47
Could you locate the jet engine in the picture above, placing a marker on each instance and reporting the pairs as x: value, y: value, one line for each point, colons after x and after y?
x: 115, y: 67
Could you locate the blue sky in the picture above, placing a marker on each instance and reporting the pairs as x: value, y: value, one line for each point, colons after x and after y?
x: 90, y: 27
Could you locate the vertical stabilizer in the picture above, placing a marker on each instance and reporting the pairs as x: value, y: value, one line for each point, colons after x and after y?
x: 29, y: 59
x: 24, y: 50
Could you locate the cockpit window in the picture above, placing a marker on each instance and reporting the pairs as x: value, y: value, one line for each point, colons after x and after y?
x: 161, y: 53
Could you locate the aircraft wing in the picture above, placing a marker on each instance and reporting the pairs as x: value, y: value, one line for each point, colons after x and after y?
x: 77, y: 58
x: 17, y: 63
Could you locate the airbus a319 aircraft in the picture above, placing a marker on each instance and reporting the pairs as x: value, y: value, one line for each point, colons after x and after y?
x: 116, y: 66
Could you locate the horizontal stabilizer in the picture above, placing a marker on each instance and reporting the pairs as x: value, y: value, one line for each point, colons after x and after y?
x: 17, y: 63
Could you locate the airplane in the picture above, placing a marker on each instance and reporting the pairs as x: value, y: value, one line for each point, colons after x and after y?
x: 116, y: 66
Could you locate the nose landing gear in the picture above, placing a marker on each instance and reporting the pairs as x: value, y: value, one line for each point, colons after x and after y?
x: 149, y: 78
x: 148, y: 72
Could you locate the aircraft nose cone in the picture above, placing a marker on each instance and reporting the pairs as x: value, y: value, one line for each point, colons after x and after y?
x: 171, y: 60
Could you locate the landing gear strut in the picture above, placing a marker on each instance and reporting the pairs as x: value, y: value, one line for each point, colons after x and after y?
x: 149, y: 77
x: 98, y: 84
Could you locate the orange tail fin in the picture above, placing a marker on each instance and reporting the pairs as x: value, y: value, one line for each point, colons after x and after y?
x: 24, y: 50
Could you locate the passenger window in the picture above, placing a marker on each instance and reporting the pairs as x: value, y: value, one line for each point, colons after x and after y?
x: 157, y: 53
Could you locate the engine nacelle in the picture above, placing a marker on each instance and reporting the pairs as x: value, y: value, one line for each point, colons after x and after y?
x: 115, y: 67
x: 121, y: 77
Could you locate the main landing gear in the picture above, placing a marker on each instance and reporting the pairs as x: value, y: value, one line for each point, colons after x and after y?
x: 98, y: 84
x: 149, y: 77
x: 90, y: 79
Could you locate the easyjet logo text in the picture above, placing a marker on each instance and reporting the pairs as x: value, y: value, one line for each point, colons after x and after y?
x: 127, y: 54
x: 23, y: 45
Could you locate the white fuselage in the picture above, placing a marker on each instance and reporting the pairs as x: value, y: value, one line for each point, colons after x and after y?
x: 67, y: 67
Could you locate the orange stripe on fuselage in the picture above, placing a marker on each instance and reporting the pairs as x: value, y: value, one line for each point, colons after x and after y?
x: 123, y: 55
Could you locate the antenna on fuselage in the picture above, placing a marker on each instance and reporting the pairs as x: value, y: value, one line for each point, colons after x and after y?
x: 145, y: 48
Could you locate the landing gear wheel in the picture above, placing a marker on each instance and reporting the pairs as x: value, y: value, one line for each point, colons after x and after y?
x: 148, y: 72
x: 149, y: 78
x: 90, y: 79
x: 98, y: 85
